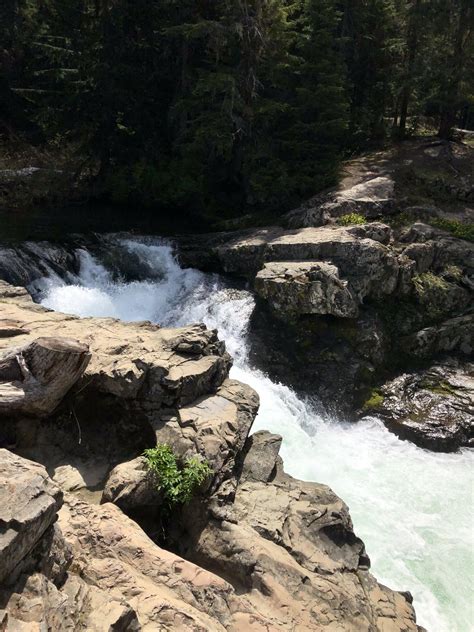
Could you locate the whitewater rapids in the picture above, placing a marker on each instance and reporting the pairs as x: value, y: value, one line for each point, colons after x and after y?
x: 413, y: 508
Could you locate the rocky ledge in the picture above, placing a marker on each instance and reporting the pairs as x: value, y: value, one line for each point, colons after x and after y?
x: 363, y: 283
x: 342, y: 309
x: 254, y: 550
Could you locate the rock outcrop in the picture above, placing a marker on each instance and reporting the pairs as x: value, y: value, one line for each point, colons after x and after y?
x: 373, y: 197
x: 294, y: 543
x: 433, y: 408
x: 305, y: 287
x: 255, y: 550
x: 342, y: 308
x: 29, y: 502
x: 136, y: 373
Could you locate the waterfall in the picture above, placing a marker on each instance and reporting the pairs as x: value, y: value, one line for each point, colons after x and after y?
x: 413, y: 508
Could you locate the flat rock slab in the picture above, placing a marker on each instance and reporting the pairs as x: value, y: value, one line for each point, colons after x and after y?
x: 358, y: 252
x: 134, y: 361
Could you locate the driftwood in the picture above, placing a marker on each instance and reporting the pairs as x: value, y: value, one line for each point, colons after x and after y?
x: 35, y: 378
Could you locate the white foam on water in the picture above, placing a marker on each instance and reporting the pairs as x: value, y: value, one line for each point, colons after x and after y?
x: 413, y: 508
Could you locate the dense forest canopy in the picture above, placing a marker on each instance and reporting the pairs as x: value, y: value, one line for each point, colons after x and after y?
x: 232, y: 104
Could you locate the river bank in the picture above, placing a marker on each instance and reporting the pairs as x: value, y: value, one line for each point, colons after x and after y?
x: 427, y: 538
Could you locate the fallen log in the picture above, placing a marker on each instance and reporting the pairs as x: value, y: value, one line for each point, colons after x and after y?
x: 35, y: 378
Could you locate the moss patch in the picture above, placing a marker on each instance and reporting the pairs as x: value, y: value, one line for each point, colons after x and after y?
x: 375, y: 400
x: 441, y: 388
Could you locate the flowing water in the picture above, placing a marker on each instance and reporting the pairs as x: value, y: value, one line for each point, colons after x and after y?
x: 413, y: 508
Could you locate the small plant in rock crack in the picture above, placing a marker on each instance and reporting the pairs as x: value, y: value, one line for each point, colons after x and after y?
x: 178, y: 481
x: 351, y: 218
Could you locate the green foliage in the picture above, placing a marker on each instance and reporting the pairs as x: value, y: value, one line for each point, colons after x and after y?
x: 351, y: 218
x: 428, y: 282
x: 177, y: 481
x: 229, y: 106
x: 462, y: 230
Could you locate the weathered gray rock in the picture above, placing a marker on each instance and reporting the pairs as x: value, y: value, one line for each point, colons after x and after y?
x: 139, y: 363
x: 114, y: 555
x: 305, y: 287
x: 373, y: 197
x: 130, y: 485
x: 294, y: 543
x: 35, y: 377
x: 261, y: 457
x: 29, y: 502
x: 434, y: 248
x: 433, y: 408
x: 97, y: 570
x: 34, y: 559
x: 214, y: 427
x: 453, y: 335
x: 422, y: 254
x: 369, y: 266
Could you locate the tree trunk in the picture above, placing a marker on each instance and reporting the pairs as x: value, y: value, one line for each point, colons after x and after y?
x: 412, y: 45
x: 35, y: 378
x: 451, y: 105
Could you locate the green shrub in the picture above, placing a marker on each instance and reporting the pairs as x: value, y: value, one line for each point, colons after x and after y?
x: 177, y: 481
x: 455, y: 227
x: 351, y: 218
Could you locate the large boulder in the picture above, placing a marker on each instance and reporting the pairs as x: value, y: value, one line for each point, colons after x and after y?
x: 131, y: 486
x: 434, y: 408
x: 305, y: 287
x: 260, y: 457
x: 36, y: 377
x: 37, y: 589
x: 214, y: 427
x: 435, y: 248
x: 366, y: 262
x: 454, y: 335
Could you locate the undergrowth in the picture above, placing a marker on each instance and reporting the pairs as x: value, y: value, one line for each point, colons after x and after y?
x: 455, y: 227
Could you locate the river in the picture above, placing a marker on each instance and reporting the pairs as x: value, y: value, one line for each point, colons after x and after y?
x: 413, y: 508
